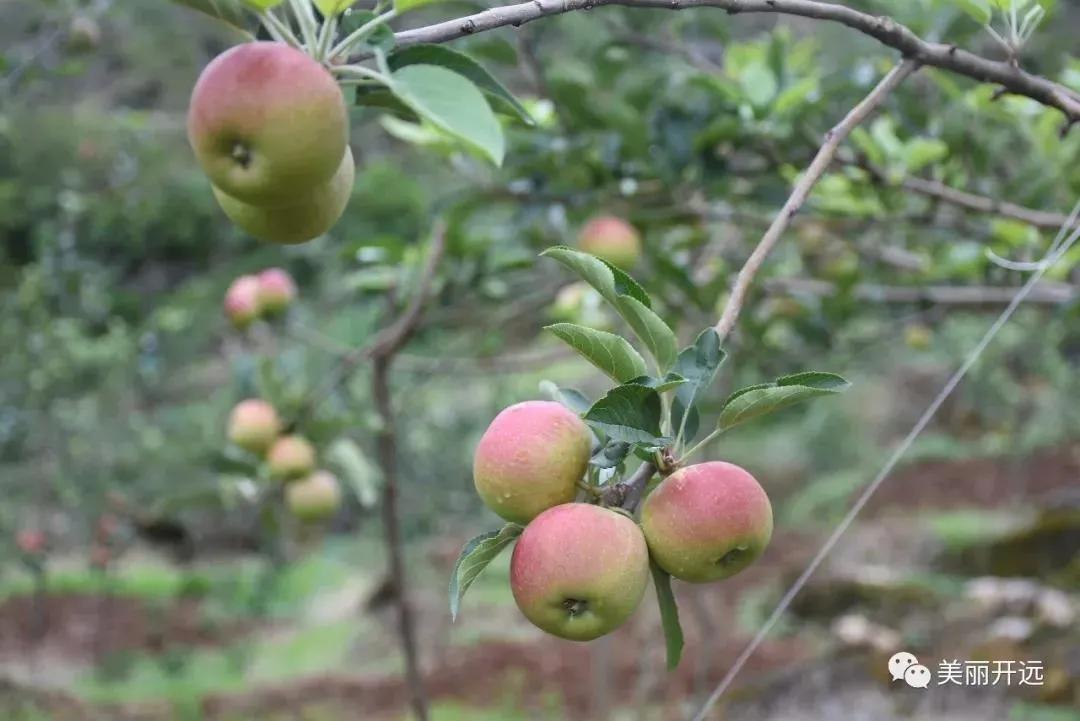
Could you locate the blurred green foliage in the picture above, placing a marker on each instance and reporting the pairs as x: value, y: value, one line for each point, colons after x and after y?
x: 118, y: 371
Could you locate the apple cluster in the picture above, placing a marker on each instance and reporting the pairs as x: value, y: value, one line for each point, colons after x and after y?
x: 264, y: 294
x: 311, y: 494
x: 269, y: 127
x: 580, y: 569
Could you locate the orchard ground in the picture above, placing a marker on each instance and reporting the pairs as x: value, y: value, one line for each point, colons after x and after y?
x: 152, y: 640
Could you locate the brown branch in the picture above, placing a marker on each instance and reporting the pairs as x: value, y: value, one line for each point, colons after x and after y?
x: 1045, y: 293
x: 1045, y: 220
x: 382, y: 352
x: 387, y: 454
x: 883, y: 29
x: 387, y: 341
x: 802, y: 189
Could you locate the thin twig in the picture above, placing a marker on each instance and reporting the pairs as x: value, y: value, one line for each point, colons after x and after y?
x: 802, y: 189
x: 390, y: 339
x: 884, y: 29
x: 627, y: 494
x: 934, y: 189
x: 1046, y: 293
x: 388, y: 463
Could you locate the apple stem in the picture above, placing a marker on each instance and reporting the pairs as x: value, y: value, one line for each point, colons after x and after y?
x: 627, y: 494
x: 575, y: 607
x: 361, y: 32
x: 279, y: 30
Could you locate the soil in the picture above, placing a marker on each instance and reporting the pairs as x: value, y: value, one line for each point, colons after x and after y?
x: 536, y: 669
x: 83, y: 628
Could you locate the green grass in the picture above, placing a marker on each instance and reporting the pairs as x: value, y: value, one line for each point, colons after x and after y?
x: 1042, y: 712
x: 964, y: 527
x: 227, y: 586
x: 181, y: 676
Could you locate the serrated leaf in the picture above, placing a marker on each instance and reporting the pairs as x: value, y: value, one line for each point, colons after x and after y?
x: 609, y: 281
x: 626, y: 285
x: 651, y: 329
x: 698, y: 364
x: 756, y: 401
x: 346, y: 459
x: 669, y: 615
x: 629, y: 413
x: 610, y: 353
x: 661, y: 385
x: 572, y: 398
x: 453, y: 103
x: 230, y: 11
x: 632, y: 305
x: 475, y: 557
x: 462, y: 64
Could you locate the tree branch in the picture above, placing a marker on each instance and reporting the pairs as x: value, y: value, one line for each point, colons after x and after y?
x: 883, y: 29
x: 1045, y: 293
x: 390, y: 339
x: 1039, y: 218
x: 802, y: 189
x: 627, y: 494
x: 387, y: 454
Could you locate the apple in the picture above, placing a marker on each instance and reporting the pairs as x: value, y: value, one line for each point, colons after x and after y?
x: 242, y: 304
x: 277, y: 290
x: 612, y: 239
x: 30, y: 541
x: 290, y: 457
x: 531, y: 458
x: 253, y: 425
x: 268, y: 124
x: 707, y: 521
x: 579, y: 571
x: 305, y: 216
x: 314, y: 498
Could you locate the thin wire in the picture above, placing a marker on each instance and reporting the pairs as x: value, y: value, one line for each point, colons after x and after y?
x: 1057, y: 250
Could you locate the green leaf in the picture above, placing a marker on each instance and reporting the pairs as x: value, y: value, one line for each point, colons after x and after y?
x: 611, y: 455
x: 756, y: 401
x: 232, y: 12
x: 610, y: 282
x: 332, y: 7
x: 572, y: 398
x: 629, y: 413
x: 698, y: 364
x: 979, y: 10
x: 608, y: 352
x: 661, y: 385
x: 669, y: 615
x: 474, y: 558
x: 464, y: 65
x: 626, y: 285
x: 453, y: 103
x: 758, y: 83
x: 346, y: 459
x: 651, y: 329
